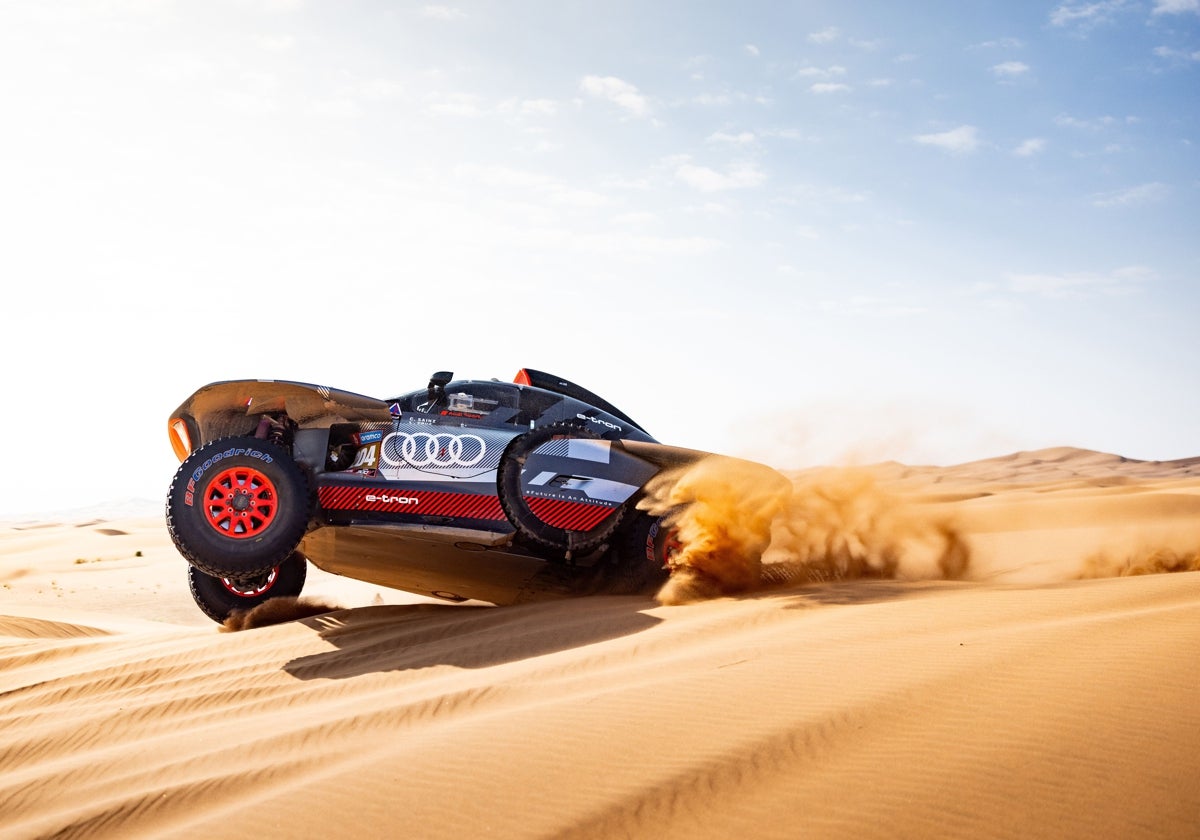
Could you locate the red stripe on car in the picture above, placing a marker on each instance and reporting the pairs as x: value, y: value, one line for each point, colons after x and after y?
x: 568, y: 515
x: 423, y: 502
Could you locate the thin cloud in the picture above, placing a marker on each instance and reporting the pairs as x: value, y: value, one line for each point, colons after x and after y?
x: 810, y: 72
x: 743, y: 138
x: 1177, y: 56
x: 960, y: 141
x: 870, y: 306
x: 788, y: 134
x: 447, y: 13
x: 751, y: 50
x: 1010, y: 69
x: 739, y: 176
x: 636, y: 218
x: 460, y: 104
x: 1132, y: 196
x: 829, y: 87
x: 1079, y: 285
x: 724, y: 98
x: 1095, y: 124
x: 1087, y: 14
x: 1176, y: 7
x: 1030, y: 147
x: 457, y: 105
x: 511, y: 180
x: 1000, y: 43
x: 825, y: 36
x: 617, y: 91
x: 531, y: 107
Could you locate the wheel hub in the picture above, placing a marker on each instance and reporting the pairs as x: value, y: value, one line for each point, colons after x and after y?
x: 240, y: 502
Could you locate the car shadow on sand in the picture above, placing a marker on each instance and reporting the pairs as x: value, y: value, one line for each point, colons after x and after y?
x: 408, y: 637
x: 865, y: 591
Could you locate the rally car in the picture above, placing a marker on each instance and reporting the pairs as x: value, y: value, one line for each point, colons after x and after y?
x: 465, y: 489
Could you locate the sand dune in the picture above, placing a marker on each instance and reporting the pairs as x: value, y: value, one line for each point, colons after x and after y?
x: 1048, y: 690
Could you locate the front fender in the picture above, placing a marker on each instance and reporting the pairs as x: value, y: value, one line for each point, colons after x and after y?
x: 222, y: 409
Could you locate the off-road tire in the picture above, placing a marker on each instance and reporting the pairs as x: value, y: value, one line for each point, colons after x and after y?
x: 640, y: 556
x: 218, y: 597
x: 238, y: 507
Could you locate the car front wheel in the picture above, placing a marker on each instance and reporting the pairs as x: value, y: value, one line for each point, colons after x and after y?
x: 238, y: 507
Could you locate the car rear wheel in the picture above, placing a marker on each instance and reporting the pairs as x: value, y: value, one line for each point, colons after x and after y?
x: 642, y: 556
x: 220, y: 597
x: 238, y: 507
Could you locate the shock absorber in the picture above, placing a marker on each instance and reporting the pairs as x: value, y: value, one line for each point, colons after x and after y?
x: 273, y: 430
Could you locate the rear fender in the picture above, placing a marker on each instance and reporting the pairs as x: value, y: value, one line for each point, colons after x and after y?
x: 588, y: 469
x: 673, y: 459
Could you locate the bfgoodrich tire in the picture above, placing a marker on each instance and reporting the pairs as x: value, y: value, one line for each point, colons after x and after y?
x: 640, y: 556
x: 219, y: 598
x: 237, y: 508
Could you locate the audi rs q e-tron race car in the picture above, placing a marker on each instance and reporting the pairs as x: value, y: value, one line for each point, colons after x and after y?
x: 465, y: 489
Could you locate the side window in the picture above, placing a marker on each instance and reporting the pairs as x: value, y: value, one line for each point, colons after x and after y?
x: 466, y: 403
x: 480, y: 401
x: 534, y: 404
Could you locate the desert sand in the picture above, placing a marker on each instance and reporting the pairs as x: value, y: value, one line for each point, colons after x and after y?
x: 1000, y: 649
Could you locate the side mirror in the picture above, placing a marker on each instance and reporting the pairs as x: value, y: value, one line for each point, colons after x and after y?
x: 437, y: 389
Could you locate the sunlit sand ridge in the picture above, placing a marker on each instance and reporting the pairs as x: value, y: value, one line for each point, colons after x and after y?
x: 986, y: 650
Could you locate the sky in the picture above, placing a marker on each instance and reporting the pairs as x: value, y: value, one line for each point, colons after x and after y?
x: 810, y: 233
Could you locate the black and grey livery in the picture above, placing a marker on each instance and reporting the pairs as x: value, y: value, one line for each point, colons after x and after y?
x: 464, y: 489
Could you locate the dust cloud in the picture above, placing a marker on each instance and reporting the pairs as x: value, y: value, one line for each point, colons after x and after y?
x: 1145, y: 561
x: 277, y: 611
x: 743, y: 527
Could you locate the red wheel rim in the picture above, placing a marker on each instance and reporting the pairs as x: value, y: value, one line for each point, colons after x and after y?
x: 240, y: 502
x: 252, y: 590
x: 670, y: 544
x: 673, y: 546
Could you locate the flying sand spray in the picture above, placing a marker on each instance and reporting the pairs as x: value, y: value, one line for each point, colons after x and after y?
x: 743, y: 527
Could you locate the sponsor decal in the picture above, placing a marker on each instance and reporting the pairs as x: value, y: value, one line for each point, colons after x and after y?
x: 234, y: 452
x: 368, y: 437
x: 368, y: 458
x: 600, y: 421
x: 384, y: 498
x: 432, y: 449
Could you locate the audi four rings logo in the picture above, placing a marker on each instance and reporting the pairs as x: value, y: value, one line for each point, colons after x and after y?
x: 427, y: 449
